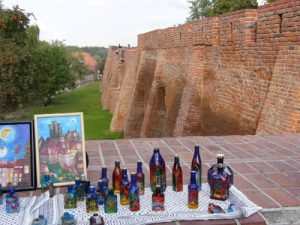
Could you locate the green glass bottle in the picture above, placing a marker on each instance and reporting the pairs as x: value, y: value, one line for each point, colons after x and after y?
x: 110, y: 202
x: 70, y: 201
x: 92, y: 201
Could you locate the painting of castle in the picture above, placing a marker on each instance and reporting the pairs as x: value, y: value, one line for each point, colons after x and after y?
x: 60, y: 147
x: 16, y: 155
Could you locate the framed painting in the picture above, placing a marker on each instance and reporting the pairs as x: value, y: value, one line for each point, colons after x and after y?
x: 17, y: 158
x: 60, y: 147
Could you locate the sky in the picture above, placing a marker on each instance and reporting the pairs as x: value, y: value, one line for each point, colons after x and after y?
x: 101, y: 22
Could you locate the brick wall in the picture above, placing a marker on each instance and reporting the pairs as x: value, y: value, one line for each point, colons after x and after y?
x: 233, y: 74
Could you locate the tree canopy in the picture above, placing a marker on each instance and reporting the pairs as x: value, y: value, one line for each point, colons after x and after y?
x: 206, y: 8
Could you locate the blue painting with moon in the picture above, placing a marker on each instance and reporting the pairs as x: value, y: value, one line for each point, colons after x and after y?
x: 13, y: 141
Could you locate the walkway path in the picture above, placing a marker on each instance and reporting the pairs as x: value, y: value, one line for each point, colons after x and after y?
x: 267, y: 168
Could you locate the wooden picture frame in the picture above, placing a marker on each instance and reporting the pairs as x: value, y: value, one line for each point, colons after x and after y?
x: 17, y: 155
x: 60, y: 147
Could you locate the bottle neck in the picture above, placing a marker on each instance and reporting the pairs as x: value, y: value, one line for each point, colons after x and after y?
x: 193, y: 177
x: 197, y: 152
x: 220, y: 160
x: 157, y: 190
x: 104, y: 173
x: 139, y: 167
x: 220, y: 168
x: 124, y: 175
x: 133, y: 179
x: 117, y: 164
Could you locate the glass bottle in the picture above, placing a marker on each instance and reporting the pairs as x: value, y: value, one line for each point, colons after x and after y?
x: 104, y: 177
x: 1, y: 194
x: 12, y: 201
x: 50, y: 185
x: 116, y: 177
x: 70, y: 201
x: 102, y: 192
x: 125, y: 188
x: 158, y: 200
x: 219, y: 184
x: 96, y: 219
x: 177, y: 175
x: 92, y: 201
x: 157, y: 171
x: 79, y: 190
x: 214, y: 169
x: 193, y: 193
x: 110, y: 202
x: 86, y: 184
x: 140, y: 177
x: 134, y: 196
x: 197, y: 166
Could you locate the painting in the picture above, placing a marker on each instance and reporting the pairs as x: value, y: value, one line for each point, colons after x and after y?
x: 17, y: 159
x: 60, y: 147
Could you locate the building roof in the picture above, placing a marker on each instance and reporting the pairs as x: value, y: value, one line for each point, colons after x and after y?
x: 89, y: 60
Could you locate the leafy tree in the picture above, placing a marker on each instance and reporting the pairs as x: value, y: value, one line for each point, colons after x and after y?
x: 269, y: 1
x: 206, y: 8
x: 198, y: 9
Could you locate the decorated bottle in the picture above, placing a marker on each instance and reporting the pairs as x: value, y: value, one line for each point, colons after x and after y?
x: 50, y: 185
x: 92, y: 201
x: 158, y: 200
x: 12, y: 201
x: 177, y: 175
x: 102, y: 192
x: 116, y: 177
x: 157, y: 171
x: 134, y: 196
x: 140, y: 177
x: 79, y: 190
x: 70, y: 200
x: 125, y: 188
x: 197, y: 166
x: 86, y: 184
x: 219, y: 184
x: 214, y: 169
x: 1, y: 195
x: 193, y: 193
x: 110, y: 202
x: 104, y: 177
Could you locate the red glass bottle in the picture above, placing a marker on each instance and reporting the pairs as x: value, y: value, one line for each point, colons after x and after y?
x: 197, y: 166
x: 177, y: 175
x: 158, y: 200
x: 116, y: 178
x: 219, y: 184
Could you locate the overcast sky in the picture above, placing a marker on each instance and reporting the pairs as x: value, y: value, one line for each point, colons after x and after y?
x: 102, y: 22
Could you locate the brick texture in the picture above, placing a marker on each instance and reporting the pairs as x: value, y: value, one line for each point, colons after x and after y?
x: 233, y: 74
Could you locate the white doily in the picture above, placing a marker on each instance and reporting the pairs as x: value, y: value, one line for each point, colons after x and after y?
x: 175, y: 209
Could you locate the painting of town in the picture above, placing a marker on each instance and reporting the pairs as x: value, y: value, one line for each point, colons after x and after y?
x: 17, y: 155
x: 60, y: 147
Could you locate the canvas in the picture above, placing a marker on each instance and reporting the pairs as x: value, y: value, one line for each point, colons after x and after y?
x: 17, y: 155
x: 60, y: 147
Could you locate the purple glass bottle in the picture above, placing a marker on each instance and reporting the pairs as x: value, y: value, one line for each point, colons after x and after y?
x: 157, y: 171
x: 219, y: 184
x: 214, y: 168
x: 197, y: 166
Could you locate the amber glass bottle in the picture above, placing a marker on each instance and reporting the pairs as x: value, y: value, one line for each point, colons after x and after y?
x: 177, y: 175
x: 116, y: 179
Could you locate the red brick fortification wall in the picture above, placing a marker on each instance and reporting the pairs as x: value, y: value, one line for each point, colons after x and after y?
x: 233, y: 74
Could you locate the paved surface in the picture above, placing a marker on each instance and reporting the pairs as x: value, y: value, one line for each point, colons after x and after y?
x: 267, y: 168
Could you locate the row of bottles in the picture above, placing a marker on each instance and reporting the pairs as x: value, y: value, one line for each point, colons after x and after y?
x: 220, y: 177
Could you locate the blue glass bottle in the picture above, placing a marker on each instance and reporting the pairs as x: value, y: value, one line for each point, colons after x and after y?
x: 1, y: 195
x: 197, y: 166
x: 219, y: 184
x: 157, y: 171
x: 110, y: 202
x: 70, y: 201
x: 79, y: 189
x: 193, y: 193
x: 125, y: 188
x: 134, y: 195
x: 102, y: 192
x: 12, y: 201
x: 92, y: 201
x: 104, y: 177
x: 140, y: 177
x: 214, y: 168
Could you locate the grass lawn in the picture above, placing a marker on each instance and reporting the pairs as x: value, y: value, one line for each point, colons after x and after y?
x: 86, y: 100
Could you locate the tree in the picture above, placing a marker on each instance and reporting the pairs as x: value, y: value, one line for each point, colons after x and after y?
x: 198, y: 9
x: 206, y: 8
x: 269, y: 1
